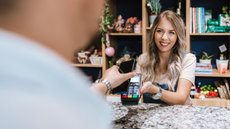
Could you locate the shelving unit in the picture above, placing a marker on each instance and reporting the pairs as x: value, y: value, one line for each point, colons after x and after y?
x: 215, y: 74
x: 125, y: 34
x: 102, y: 67
x: 213, y: 102
x: 140, y: 10
x: 188, y: 34
x: 218, y: 102
x: 114, y: 36
x: 188, y: 38
x: 87, y: 65
x: 148, y: 28
x: 144, y: 37
x: 145, y: 32
x: 211, y: 34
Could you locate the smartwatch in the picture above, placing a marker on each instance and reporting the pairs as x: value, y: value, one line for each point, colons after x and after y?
x: 158, y: 95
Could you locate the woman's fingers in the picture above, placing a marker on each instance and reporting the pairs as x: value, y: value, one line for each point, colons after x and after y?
x: 115, y: 77
x: 147, y: 87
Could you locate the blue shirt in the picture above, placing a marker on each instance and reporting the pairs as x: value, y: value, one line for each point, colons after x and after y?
x: 40, y: 90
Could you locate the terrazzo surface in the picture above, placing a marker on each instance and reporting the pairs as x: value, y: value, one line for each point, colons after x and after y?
x: 169, y: 117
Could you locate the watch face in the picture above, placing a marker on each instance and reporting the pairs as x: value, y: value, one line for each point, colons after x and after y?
x: 158, y: 95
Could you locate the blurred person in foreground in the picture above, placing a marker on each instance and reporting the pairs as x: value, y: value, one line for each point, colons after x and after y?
x: 38, y: 87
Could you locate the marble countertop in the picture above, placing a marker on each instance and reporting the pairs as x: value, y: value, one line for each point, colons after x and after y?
x: 169, y: 117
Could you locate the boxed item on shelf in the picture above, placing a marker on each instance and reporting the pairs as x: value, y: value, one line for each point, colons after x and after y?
x: 96, y: 60
x: 222, y: 65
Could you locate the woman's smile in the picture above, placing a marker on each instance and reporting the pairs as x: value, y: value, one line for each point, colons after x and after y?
x: 164, y: 43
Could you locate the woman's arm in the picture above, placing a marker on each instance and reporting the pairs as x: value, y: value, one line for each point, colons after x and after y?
x: 174, y: 98
x: 186, y: 80
x: 181, y: 95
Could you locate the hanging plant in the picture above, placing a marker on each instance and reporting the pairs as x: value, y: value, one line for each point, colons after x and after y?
x: 106, y: 25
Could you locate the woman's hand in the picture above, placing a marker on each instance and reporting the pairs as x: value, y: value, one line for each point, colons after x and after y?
x: 148, y: 87
x: 115, y: 77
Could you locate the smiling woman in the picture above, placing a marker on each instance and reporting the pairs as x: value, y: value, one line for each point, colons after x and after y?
x: 168, y: 72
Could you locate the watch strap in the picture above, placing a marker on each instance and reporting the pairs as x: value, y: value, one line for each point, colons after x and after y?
x: 106, y: 82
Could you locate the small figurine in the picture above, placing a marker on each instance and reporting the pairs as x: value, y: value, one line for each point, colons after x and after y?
x: 129, y: 23
x: 132, y: 20
x: 128, y: 28
x: 119, y: 24
x: 83, y: 56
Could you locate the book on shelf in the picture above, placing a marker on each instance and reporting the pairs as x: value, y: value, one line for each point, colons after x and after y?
x: 202, y: 68
x: 198, y: 19
x: 198, y: 12
x: 191, y: 24
x: 225, y: 91
x: 227, y: 86
x: 221, y: 93
x: 222, y: 90
x: 194, y: 21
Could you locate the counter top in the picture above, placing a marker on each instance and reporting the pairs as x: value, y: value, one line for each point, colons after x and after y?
x: 165, y: 116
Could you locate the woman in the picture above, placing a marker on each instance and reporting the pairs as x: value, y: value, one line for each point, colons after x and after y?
x: 168, y: 72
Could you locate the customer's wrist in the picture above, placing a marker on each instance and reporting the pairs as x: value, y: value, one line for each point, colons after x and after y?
x: 106, y: 83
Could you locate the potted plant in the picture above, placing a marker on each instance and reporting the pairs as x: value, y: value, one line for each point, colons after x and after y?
x: 205, y: 58
x: 154, y: 7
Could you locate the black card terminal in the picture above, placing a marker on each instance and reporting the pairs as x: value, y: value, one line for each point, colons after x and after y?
x: 133, y: 94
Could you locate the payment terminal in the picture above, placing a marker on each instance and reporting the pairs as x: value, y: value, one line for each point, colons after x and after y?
x: 133, y: 94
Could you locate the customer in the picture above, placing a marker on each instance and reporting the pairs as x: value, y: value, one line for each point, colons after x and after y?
x: 38, y: 87
x: 167, y: 70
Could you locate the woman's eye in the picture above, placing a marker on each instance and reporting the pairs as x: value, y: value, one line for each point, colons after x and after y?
x: 159, y: 31
x: 172, y: 32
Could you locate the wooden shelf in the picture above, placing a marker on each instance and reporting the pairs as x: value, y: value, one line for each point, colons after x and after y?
x: 87, y: 65
x: 148, y: 28
x: 214, y: 74
x: 212, y: 102
x: 211, y: 34
x: 125, y: 34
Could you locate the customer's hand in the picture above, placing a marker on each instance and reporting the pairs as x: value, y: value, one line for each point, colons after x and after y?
x: 115, y: 77
x: 148, y: 87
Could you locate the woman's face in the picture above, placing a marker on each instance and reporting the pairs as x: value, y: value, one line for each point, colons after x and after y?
x: 165, y: 36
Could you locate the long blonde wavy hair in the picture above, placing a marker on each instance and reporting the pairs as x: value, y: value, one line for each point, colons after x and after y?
x: 150, y: 63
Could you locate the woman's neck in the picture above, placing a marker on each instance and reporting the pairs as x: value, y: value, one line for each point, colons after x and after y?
x: 164, y: 58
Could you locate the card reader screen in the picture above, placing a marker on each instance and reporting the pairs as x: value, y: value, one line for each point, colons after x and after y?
x: 135, y: 79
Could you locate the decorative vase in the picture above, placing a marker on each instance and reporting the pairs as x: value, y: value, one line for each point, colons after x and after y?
x: 151, y: 19
x: 109, y: 51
